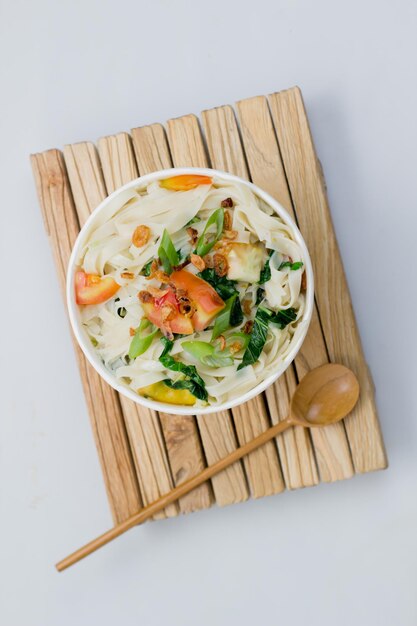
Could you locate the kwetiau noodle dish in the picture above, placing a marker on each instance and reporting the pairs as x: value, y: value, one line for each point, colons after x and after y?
x: 193, y: 291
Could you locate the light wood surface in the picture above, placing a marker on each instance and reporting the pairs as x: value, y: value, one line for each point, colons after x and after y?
x: 295, y: 451
x: 265, y: 164
x: 143, y: 454
x: 308, y: 192
x: 103, y: 406
x: 118, y: 166
x: 326, y: 395
x: 262, y: 467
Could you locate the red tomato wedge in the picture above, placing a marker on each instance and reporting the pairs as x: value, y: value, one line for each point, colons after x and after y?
x: 185, y: 182
x: 204, y: 298
x: 92, y: 289
x: 178, y: 323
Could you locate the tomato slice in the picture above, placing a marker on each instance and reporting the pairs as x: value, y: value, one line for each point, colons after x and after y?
x: 185, y: 182
x: 179, y: 323
x: 92, y: 289
x: 205, y: 299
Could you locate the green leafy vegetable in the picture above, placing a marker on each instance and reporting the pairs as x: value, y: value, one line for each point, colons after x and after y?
x: 260, y: 294
x: 231, y: 315
x: 189, y: 384
x: 236, y: 314
x: 146, y: 269
x: 208, y: 238
x: 292, y: 266
x: 259, y: 333
x: 257, y: 338
x: 192, y: 377
x: 94, y: 341
x: 167, y: 253
x: 283, y: 318
x: 141, y: 341
x: 224, y: 287
x: 266, y: 270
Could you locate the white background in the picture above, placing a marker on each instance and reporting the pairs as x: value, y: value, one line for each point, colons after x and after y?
x: 342, y: 554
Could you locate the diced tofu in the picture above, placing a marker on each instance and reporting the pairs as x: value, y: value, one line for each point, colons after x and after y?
x: 245, y: 261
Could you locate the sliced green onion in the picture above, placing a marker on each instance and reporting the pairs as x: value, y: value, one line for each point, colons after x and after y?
x: 208, y: 238
x: 198, y: 349
x: 292, y: 266
x: 193, y: 220
x: 146, y: 269
x: 222, y: 322
x: 167, y: 253
x: 242, y: 338
x: 140, y: 342
x: 231, y: 315
x: 207, y: 353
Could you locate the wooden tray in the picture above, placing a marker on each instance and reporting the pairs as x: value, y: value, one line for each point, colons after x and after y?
x: 143, y: 454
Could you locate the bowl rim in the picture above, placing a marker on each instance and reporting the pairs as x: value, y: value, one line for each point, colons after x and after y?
x: 85, y: 343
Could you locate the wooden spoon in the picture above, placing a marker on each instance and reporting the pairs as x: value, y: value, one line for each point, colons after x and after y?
x: 324, y: 396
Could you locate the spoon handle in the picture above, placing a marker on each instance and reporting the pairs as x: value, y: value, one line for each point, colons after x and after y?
x: 172, y: 496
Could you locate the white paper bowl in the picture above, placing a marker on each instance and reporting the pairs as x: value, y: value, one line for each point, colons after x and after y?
x: 106, y: 209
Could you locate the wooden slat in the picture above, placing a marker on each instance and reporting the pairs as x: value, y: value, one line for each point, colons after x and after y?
x: 142, y: 424
x: 87, y: 184
x: 180, y: 431
x: 216, y: 431
x: 295, y: 452
x: 219, y: 440
x: 151, y: 148
x: 265, y: 164
x: 262, y: 466
x: 336, y: 313
x: 117, y: 160
x: 102, y: 402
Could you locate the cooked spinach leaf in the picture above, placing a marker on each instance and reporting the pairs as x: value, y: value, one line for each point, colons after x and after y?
x: 259, y: 333
x: 192, y: 387
x: 260, y: 294
x: 257, y: 338
x: 283, y: 318
x: 266, y: 270
x: 189, y: 371
x: 224, y: 287
x: 236, y: 314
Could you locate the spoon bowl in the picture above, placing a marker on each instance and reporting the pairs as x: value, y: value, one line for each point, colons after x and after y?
x: 324, y: 396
